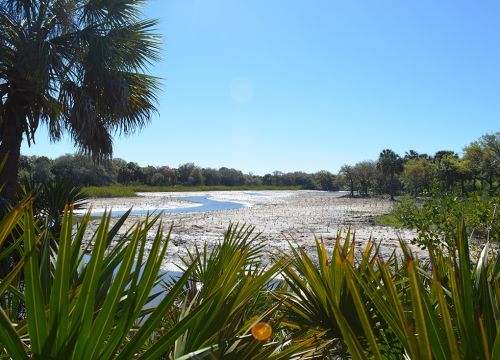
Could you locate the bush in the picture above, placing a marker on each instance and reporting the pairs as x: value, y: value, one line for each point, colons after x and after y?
x: 436, y: 217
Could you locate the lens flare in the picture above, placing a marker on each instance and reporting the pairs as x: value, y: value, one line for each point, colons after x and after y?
x: 262, y: 331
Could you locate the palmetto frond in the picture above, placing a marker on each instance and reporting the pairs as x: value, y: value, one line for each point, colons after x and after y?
x: 78, y: 66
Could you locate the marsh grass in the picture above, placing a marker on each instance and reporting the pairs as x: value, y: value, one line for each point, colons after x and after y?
x: 131, y: 191
x: 389, y: 220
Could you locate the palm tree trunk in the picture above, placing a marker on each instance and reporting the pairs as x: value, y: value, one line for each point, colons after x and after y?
x: 11, y: 136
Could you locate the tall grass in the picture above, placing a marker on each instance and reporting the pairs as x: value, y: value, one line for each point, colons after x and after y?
x: 129, y: 191
x: 109, y: 191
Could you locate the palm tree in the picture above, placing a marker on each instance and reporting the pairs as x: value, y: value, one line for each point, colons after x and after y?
x: 390, y: 164
x: 76, y: 66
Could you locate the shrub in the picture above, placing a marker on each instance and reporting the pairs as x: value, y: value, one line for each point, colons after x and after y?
x: 436, y: 217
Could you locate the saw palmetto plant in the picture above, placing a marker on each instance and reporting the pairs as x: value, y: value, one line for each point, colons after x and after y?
x: 57, y: 303
x: 75, y: 298
x: 372, y: 307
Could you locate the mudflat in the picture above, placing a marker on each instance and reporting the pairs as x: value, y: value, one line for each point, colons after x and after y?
x: 296, y: 216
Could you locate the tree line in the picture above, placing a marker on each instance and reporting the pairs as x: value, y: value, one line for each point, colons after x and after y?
x: 391, y: 173
x: 415, y: 173
x: 82, y: 171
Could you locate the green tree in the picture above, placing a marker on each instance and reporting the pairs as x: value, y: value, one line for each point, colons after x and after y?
x: 158, y: 179
x: 365, y: 174
x: 452, y: 170
x: 324, y: 179
x: 196, y: 177
x: 76, y: 66
x: 391, y: 165
x: 442, y: 153
x: 348, y: 177
x: 79, y: 170
x: 231, y: 177
x: 417, y: 175
x: 42, y: 169
x: 211, y: 176
x: 184, y: 171
x: 483, y: 158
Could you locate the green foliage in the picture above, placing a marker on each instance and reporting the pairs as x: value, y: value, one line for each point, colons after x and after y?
x: 84, y: 309
x: 483, y: 159
x: 389, y: 220
x: 52, y: 197
x: 109, y: 191
x: 318, y: 293
x: 380, y: 308
x: 435, y: 219
x: 418, y: 175
x: 109, y: 173
x: 235, y: 286
x: 347, y: 178
x: 448, y: 314
x: 365, y: 174
x: 83, y: 170
x: 75, y: 66
x: 391, y: 165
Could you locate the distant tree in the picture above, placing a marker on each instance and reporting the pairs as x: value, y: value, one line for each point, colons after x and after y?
x: 76, y: 66
x: 252, y: 179
x: 304, y: 180
x: 41, y: 170
x: 25, y: 166
x: 231, y: 177
x: 347, y: 174
x: 137, y: 172
x: 287, y: 179
x: 268, y: 179
x: 365, y: 173
x: 451, y: 170
x: 411, y: 155
x: 391, y: 165
x: 325, y: 179
x: 417, y: 175
x: 157, y: 179
x: 80, y: 170
x: 483, y: 160
x: 211, y: 176
x: 125, y: 175
x: 149, y: 172
x: 169, y: 174
x: 196, y: 177
x: 184, y: 172
x: 37, y: 168
x: 442, y: 153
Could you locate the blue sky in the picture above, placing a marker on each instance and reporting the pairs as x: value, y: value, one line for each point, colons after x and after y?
x: 310, y: 85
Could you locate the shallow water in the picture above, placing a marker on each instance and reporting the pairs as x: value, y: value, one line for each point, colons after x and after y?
x: 205, y: 204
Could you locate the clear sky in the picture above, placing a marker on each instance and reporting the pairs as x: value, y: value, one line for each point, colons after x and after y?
x: 310, y: 85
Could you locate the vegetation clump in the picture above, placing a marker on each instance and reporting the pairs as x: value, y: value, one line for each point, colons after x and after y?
x: 435, y: 216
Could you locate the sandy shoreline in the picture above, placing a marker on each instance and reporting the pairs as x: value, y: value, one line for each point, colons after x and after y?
x: 278, y: 215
